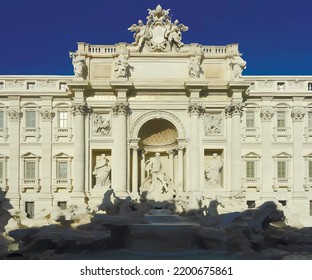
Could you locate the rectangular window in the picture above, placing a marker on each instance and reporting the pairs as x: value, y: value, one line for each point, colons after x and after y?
x: 281, y: 169
x: 310, y: 119
x: 281, y: 86
x: 281, y: 119
x: 31, y: 86
x: 30, y: 119
x: 310, y: 168
x: 30, y: 210
x: 63, y: 119
x: 30, y: 170
x: 250, y: 169
x: 310, y: 86
x: 62, y: 86
x: 251, y: 204
x: 250, y: 119
x: 1, y: 119
x: 1, y: 170
x: 62, y: 170
x: 1, y: 85
x: 62, y: 204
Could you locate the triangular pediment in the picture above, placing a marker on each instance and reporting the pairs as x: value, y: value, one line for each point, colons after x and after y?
x: 251, y: 155
x: 62, y: 155
x: 29, y: 155
x: 282, y: 155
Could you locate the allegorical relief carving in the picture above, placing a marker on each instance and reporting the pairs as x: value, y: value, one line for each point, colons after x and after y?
x: 238, y: 65
x: 213, y: 124
x: 122, y: 66
x: 159, y: 33
x: 195, y: 68
x: 101, y: 124
x: 79, y: 64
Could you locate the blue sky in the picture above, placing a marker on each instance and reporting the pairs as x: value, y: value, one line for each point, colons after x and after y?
x: 275, y: 37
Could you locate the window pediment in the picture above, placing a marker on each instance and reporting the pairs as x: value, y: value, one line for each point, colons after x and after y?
x: 251, y: 155
x: 283, y: 155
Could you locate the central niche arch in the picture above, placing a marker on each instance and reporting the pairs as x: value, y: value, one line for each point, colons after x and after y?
x: 158, y: 133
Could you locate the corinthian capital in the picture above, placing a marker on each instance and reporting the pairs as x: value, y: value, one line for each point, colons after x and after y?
x: 195, y: 109
x: 47, y: 114
x: 120, y: 108
x: 234, y: 109
x: 297, y: 115
x: 81, y: 109
x: 15, y: 115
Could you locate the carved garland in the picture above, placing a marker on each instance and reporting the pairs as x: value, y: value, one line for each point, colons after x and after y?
x: 15, y: 114
x: 266, y: 115
x: 47, y: 114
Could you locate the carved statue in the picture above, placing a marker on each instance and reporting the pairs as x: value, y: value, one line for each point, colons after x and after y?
x: 122, y: 66
x: 79, y: 64
x: 238, y: 65
x: 174, y: 34
x: 102, y: 171
x: 157, y: 180
x: 140, y: 33
x: 159, y: 33
x: 194, y: 67
x: 213, y: 170
x: 101, y: 124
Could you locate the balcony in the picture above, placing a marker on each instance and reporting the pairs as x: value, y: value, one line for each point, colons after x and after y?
x: 30, y: 184
x: 62, y: 132
x: 282, y: 132
x: 4, y: 133
x: 307, y: 184
x: 250, y: 132
x: 4, y: 185
x: 282, y: 183
x: 251, y: 183
x: 62, y: 184
x: 30, y: 132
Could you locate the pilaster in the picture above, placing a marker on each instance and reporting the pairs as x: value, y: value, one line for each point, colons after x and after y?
x: 14, y: 116
x: 120, y: 147
x: 297, y: 116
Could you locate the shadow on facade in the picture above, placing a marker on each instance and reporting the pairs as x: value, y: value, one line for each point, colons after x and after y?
x: 148, y: 229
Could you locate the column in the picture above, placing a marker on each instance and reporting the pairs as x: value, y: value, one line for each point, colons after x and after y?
x: 142, y: 166
x: 267, y: 175
x: 119, y: 171
x: 195, y: 110
x: 228, y: 161
x: 80, y: 111
x: 298, y: 163
x: 236, y: 110
x: 46, y: 135
x: 135, y: 174
x: 171, y: 165
x: 180, y: 177
x: 13, y: 169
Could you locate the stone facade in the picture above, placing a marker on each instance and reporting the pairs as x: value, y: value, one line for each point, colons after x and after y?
x: 186, y: 109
